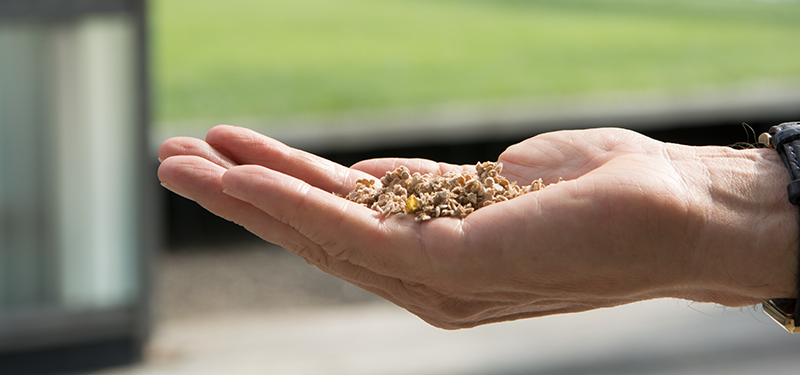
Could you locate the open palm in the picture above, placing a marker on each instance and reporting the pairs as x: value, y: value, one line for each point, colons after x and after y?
x: 623, y: 225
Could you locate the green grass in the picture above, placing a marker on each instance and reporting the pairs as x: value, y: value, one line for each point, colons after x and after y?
x: 274, y: 58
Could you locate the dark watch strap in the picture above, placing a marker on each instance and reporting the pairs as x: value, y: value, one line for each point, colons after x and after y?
x: 785, y: 138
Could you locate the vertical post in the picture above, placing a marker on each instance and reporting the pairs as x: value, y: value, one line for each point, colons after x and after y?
x: 77, y: 193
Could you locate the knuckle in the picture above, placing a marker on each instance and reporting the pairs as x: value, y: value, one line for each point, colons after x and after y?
x: 454, y: 311
x: 311, y: 255
x: 443, y: 309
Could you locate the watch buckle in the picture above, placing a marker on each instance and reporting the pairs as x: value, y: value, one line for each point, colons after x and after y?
x: 785, y: 319
x: 765, y: 139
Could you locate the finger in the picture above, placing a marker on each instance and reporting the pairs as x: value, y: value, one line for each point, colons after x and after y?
x: 192, y: 146
x: 539, y: 157
x: 570, y: 154
x: 346, y: 230
x: 379, y: 167
x: 198, y: 179
x: 244, y: 146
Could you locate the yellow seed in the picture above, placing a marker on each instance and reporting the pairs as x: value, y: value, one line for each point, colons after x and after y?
x: 412, y: 204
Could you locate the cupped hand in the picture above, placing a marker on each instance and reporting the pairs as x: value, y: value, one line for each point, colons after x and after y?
x: 626, y: 218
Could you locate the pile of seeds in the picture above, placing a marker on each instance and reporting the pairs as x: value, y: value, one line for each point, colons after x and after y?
x: 428, y: 196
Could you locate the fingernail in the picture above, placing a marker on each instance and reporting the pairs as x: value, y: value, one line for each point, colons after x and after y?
x: 229, y: 192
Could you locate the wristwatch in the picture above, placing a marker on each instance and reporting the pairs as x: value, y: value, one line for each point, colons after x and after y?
x: 785, y: 138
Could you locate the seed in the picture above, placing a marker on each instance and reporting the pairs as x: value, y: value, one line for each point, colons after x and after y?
x: 427, y: 195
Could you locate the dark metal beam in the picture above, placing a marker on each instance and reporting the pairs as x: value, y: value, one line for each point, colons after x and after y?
x: 20, y: 9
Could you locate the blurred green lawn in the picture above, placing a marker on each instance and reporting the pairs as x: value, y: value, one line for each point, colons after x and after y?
x: 215, y: 59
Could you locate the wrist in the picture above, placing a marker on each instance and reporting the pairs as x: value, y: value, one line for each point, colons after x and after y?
x: 751, y: 234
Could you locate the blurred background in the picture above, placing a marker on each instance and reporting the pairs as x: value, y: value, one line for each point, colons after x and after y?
x: 104, y: 272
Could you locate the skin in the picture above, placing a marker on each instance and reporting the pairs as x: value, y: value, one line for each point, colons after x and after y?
x: 632, y: 219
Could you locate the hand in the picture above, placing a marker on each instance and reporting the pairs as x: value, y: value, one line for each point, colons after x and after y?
x: 633, y: 219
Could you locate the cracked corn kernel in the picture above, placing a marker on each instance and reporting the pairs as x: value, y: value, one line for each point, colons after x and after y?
x: 412, y: 204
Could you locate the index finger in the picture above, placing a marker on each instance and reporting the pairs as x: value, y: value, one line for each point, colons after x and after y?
x: 244, y: 146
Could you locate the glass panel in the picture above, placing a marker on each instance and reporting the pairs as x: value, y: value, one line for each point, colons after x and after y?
x: 95, y: 125
x: 23, y: 231
x: 68, y: 210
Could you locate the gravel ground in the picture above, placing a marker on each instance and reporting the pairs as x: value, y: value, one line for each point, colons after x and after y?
x: 253, y: 308
x: 244, y: 277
